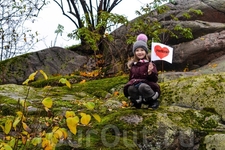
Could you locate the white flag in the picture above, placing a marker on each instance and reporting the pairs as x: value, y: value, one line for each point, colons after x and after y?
x: 161, y: 52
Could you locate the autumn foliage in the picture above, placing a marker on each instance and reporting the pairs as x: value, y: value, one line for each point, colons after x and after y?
x: 20, y: 133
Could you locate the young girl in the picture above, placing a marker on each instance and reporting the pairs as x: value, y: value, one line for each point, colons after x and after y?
x: 142, y: 87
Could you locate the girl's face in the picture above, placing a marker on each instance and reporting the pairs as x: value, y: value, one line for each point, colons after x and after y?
x: 140, y: 53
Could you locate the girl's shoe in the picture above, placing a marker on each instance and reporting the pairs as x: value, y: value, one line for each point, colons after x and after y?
x: 154, y: 104
x: 136, y: 103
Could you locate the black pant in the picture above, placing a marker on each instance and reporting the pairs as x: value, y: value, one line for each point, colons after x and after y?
x: 141, y: 89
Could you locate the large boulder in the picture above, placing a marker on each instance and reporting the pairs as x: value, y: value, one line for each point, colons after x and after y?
x: 191, y: 115
x: 208, y: 32
x: 198, y: 52
x: 53, y: 61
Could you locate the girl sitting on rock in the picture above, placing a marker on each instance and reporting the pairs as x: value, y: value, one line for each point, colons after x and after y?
x: 142, y: 88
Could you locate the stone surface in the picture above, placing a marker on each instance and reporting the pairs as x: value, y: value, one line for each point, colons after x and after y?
x: 208, y: 31
x: 53, y: 61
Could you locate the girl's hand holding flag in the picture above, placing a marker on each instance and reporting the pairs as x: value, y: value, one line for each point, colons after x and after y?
x: 150, y: 68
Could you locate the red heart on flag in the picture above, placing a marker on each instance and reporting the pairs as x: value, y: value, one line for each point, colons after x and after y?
x: 161, y: 52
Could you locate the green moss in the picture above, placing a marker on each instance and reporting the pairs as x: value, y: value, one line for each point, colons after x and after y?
x: 196, y: 92
x: 8, y: 106
x: 54, y: 81
x: 8, y: 100
x: 114, y: 124
x: 201, y: 121
x: 14, y: 60
x: 151, y: 119
x: 98, y: 88
x: 14, y: 69
x: 134, y: 131
x: 101, y: 87
x: 100, y: 140
x: 8, y: 110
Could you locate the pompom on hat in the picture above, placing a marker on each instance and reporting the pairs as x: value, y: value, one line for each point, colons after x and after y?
x: 141, y: 43
x: 142, y: 37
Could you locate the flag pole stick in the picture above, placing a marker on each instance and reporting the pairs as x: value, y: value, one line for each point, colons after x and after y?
x: 162, y: 71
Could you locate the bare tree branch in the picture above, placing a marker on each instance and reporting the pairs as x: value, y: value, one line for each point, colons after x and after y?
x: 15, y: 38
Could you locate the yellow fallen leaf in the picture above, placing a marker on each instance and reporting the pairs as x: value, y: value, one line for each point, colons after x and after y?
x: 125, y: 104
x: 47, y: 87
x: 47, y: 102
x: 8, y: 138
x: 68, y: 84
x: 64, y: 131
x: 24, y: 139
x: 83, y: 81
x: 58, y: 134
x: 36, y: 140
x: 82, y: 114
x: 23, y: 103
x: 85, y: 119
x: 72, y: 124
x: 31, y: 77
x: 44, y: 74
x: 69, y: 114
x: 24, y: 133
x: 20, y: 114
x: 8, y: 126
x: 116, y: 93
x: 26, y: 82
x: 90, y: 105
x: 65, y: 81
x: 25, y: 127
x: 5, y: 146
x: 62, y: 80
x: 97, y: 117
x: 45, y: 143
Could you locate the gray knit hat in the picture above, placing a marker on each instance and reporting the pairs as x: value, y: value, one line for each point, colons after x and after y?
x: 140, y: 44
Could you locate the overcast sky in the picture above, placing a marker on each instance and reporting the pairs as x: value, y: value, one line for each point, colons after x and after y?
x: 51, y: 16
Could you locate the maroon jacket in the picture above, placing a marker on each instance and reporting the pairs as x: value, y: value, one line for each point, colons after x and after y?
x: 139, y: 73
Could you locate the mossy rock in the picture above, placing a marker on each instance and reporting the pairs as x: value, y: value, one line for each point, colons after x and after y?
x: 121, y: 126
x: 198, y: 92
